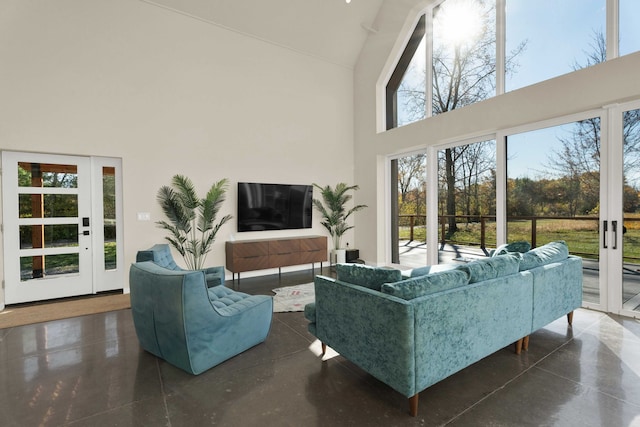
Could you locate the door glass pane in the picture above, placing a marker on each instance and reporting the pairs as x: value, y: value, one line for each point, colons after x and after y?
x: 548, y: 38
x: 48, y: 205
x: 553, y: 192
x: 109, y: 216
x: 47, y: 175
x: 629, y: 28
x: 33, y: 267
x: 464, y: 53
x: 467, y: 201
x: 48, y: 236
x: 631, y: 211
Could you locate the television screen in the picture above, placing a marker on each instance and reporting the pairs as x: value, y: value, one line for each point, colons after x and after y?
x: 274, y: 206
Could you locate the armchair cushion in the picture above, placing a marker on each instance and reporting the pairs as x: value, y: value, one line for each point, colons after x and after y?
x: 367, y: 276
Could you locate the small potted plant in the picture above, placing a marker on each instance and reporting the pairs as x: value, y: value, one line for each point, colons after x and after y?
x: 191, y: 220
x: 334, y: 214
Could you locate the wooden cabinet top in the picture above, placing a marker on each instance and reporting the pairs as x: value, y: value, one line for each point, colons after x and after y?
x: 229, y: 242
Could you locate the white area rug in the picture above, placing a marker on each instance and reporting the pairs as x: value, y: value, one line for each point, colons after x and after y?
x: 293, y: 298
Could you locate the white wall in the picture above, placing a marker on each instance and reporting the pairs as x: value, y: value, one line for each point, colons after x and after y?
x: 170, y: 94
x: 611, y: 82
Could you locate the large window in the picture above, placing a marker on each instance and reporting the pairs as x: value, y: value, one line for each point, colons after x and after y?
x: 629, y: 28
x: 550, y: 38
x: 464, y: 53
x: 542, y: 39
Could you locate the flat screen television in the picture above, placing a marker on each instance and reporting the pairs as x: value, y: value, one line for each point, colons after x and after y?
x: 274, y: 206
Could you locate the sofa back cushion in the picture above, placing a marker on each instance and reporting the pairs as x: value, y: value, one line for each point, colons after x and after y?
x: 427, y: 284
x: 490, y: 268
x: 367, y: 276
x: 546, y: 254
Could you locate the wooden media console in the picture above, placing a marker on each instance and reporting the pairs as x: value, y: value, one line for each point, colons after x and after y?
x: 260, y: 254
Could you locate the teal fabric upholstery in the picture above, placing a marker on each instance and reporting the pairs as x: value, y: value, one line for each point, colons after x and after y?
x: 180, y: 320
x: 411, y: 338
x: 520, y: 247
x: 557, y: 290
x: 422, y: 271
x: 412, y: 344
x: 161, y: 255
x: 427, y: 284
x: 367, y: 276
x: 491, y: 268
x: 551, y: 252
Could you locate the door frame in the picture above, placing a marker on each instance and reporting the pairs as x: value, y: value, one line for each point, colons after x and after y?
x: 99, y: 279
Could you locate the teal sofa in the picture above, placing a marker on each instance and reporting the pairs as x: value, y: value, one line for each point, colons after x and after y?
x: 191, y: 326
x: 161, y: 255
x: 411, y: 332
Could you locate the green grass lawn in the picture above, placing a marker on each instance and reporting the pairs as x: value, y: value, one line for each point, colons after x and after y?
x: 582, y: 236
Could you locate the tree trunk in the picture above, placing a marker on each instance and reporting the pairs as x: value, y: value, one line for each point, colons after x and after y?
x: 451, y: 191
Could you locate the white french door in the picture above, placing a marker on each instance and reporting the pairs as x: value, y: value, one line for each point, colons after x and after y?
x: 56, y: 213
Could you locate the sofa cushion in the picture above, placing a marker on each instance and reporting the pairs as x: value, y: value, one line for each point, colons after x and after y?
x: 430, y: 269
x: 427, y: 284
x: 490, y: 268
x: 367, y: 276
x: 521, y: 247
x: 546, y: 254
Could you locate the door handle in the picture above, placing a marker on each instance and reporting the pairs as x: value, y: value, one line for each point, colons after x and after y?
x: 604, y: 234
x: 84, y: 233
x: 614, y: 227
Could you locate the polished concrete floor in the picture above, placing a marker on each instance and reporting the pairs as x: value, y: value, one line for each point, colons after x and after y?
x: 90, y: 371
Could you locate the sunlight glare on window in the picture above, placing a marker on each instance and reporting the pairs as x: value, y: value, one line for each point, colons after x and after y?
x: 460, y: 22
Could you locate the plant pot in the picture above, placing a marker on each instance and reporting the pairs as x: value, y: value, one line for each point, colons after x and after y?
x: 339, y: 255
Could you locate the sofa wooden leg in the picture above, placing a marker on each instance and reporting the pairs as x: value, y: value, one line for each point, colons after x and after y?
x: 519, y: 346
x: 525, y: 343
x: 570, y: 318
x: 413, y: 405
x: 324, y: 348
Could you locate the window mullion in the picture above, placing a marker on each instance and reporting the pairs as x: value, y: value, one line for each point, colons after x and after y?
x: 501, y: 41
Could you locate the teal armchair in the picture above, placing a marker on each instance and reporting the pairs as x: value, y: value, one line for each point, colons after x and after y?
x: 189, y: 325
x: 161, y: 254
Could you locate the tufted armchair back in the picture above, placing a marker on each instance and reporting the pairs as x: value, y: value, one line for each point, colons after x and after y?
x: 160, y: 254
x: 179, y: 319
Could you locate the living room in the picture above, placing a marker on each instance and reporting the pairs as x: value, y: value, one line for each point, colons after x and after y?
x: 174, y: 87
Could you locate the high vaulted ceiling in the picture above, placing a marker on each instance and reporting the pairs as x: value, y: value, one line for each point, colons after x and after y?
x: 328, y: 29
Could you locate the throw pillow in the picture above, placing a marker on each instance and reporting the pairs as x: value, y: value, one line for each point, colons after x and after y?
x: 520, y: 246
x: 490, y: 268
x: 426, y: 285
x: 366, y: 275
x: 546, y: 254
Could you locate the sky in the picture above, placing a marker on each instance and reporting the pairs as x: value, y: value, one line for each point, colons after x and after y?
x: 558, y: 36
x: 568, y: 30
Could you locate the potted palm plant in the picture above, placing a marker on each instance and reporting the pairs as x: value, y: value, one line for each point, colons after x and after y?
x: 191, y: 220
x: 334, y: 213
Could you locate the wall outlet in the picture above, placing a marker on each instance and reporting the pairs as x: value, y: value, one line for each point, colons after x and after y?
x: 144, y: 216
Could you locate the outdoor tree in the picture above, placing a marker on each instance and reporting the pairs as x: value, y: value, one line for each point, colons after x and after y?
x: 577, y: 160
x: 462, y: 72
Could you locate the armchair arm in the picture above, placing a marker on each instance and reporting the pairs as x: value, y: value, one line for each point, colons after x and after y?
x: 214, y: 276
